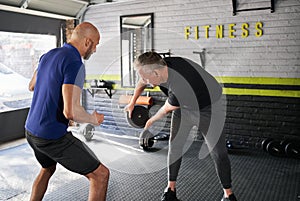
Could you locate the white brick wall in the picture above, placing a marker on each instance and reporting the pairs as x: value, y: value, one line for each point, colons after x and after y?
x: 275, y: 54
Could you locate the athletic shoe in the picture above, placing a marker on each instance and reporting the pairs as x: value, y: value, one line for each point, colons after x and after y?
x: 169, y: 196
x: 230, y: 198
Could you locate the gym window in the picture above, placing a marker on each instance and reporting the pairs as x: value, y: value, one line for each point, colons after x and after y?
x: 19, y: 56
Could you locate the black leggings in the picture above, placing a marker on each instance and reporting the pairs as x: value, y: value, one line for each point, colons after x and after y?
x: 210, y: 122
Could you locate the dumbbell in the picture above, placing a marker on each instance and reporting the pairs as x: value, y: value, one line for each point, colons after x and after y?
x: 139, y: 116
x: 146, y: 139
x: 275, y: 148
x: 265, y: 142
x: 291, y: 148
x: 285, y: 147
x: 85, y: 129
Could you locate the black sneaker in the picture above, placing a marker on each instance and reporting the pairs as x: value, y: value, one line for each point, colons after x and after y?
x: 169, y: 196
x: 230, y: 198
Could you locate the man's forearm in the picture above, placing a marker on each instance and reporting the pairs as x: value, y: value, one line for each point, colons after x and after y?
x: 72, y: 107
x: 137, y: 92
x: 161, y: 113
x: 79, y: 115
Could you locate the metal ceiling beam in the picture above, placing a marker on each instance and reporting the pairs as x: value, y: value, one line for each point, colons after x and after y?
x: 81, y: 11
x: 35, y: 12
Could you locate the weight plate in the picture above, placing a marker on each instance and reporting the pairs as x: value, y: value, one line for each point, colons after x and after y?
x: 285, y: 142
x: 265, y: 142
x: 275, y: 149
x: 292, y: 150
x: 139, y: 117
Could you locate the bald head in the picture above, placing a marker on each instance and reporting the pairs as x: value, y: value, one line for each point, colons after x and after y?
x: 85, y: 37
x: 83, y: 30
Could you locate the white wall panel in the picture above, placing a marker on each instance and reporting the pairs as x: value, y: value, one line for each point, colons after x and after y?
x: 274, y: 54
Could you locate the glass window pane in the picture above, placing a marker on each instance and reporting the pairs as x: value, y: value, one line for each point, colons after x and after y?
x: 19, y: 56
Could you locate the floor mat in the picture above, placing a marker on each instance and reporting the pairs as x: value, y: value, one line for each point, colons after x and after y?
x: 138, y: 175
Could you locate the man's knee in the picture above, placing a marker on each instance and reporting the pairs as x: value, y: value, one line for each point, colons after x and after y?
x: 101, y: 174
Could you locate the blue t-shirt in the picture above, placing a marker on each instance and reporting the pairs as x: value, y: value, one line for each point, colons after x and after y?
x: 57, y: 67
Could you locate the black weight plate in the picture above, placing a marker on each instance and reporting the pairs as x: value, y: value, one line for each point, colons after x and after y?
x: 285, y: 142
x: 139, y: 116
x: 275, y: 149
x: 265, y: 142
x: 292, y: 150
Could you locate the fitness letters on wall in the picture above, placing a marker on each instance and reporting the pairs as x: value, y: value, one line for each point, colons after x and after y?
x: 220, y: 31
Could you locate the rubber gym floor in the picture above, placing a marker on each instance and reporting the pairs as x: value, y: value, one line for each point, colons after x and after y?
x: 141, y: 176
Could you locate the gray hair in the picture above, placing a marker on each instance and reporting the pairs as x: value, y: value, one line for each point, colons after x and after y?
x: 149, y: 61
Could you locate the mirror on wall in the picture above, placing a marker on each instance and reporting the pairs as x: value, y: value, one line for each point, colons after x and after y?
x: 136, y: 38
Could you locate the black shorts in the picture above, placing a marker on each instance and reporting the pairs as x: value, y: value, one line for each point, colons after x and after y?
x: 68, y: 151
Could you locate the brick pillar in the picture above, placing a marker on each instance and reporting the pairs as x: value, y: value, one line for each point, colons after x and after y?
x: 70, y: 25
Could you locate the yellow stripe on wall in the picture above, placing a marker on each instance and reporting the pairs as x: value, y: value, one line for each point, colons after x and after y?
x: 104, y: 77
x: 262, y: 92
x: 259, y: 80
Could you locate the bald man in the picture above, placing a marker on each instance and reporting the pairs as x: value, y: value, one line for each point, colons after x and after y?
x: 57, y: 85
